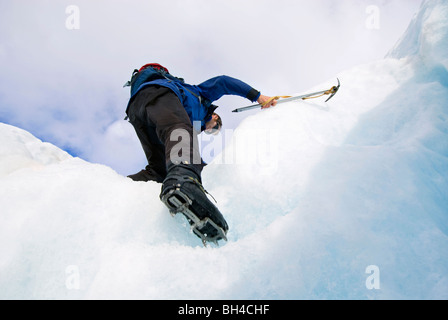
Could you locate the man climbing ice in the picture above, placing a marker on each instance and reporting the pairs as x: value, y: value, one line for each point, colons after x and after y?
x: 167, y: 114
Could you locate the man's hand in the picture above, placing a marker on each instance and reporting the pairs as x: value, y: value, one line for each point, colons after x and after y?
x: 266, y: 101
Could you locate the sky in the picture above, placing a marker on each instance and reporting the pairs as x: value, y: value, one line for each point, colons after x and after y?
x: 63, y: 63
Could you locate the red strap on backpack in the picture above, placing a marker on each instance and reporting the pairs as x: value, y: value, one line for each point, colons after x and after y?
x: 155, y: 66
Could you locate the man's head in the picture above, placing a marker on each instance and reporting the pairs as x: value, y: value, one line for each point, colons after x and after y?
x: 213, y: 125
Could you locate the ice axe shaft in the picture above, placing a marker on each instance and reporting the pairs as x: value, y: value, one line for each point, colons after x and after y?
x: 313, y: 95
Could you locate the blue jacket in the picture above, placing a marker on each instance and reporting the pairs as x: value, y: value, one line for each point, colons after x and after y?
x: 197, y: 99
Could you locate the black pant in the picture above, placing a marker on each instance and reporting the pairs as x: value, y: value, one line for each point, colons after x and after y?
x: 164, y: 130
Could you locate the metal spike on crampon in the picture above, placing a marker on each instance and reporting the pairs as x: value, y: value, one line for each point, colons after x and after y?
x: 178, y: 202
x: 220, y: 233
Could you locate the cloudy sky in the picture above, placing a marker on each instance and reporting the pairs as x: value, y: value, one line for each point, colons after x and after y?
x: 63, y: 63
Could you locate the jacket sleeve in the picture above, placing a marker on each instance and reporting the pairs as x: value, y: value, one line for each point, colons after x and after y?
x: 215, y: 88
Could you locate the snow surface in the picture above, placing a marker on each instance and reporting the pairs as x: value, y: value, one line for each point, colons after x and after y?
x: 314, y: 194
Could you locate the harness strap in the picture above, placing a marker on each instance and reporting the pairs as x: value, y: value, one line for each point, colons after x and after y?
x: 194, y: 94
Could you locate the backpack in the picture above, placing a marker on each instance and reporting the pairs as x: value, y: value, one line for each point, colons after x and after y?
x: 149, y: 72
x: 154, y: 71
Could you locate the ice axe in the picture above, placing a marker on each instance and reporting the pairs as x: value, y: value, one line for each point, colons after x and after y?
x: 313, y: 95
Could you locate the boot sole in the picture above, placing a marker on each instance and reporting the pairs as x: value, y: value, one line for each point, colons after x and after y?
x: 178, y: 202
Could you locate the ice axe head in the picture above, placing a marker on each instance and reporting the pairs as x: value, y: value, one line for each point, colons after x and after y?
x: 334, y: 90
